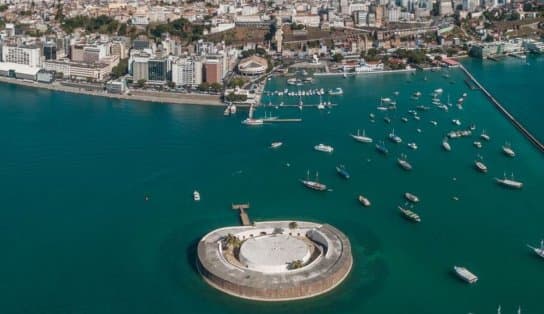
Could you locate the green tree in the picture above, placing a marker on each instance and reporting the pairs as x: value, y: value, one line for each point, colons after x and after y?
x: 235, y: 98
x: 216, y: 87
x: 232, y: 241
x: 120, y: 69
x: 293, y: 225
x: 203, y: 86
x: 295, y: 264
x: 141, y: 83
x: 337, y: 57
x: 171, y: 84
x: 3, y: 7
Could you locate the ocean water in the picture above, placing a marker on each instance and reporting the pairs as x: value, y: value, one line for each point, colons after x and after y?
x: 78, y: 236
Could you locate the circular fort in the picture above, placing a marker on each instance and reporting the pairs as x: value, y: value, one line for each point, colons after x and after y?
x: 275, y: 260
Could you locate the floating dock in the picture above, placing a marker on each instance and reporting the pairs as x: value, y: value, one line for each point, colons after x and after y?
x: 505, y: 112
x: 244, y: 217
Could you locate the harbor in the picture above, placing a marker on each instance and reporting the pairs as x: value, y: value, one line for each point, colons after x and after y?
x: 137, y: 184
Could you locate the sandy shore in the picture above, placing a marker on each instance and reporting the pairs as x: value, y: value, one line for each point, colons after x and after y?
x: 159, y: 97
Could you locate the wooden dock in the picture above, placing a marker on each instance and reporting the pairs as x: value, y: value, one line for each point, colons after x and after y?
x: 505, y: 112
x: 244, y: 217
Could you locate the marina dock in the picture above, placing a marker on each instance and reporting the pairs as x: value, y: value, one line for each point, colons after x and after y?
x: 505, y: 112
x: 283, y: 120
x: 244, y: 217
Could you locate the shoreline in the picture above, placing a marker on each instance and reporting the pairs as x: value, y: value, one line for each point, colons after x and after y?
x: 141, y: 96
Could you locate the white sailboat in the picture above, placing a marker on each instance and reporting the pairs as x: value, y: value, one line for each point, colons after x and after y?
x: 538, y: 251
x: 361, y: 138
x: 509, y: 182
x: 445, y: 144
x: 250, y: 121
x: 507, y: 149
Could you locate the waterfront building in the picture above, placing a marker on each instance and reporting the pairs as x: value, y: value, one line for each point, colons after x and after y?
x: 187, y: 71
x: 50, y: 50
x: 119, y: 49
x: 158, y: 69
x: 116, y: 86
x: 45, y: 76
x: 79, y: 70
x: 29, y: 55
x: 361, y: 18
x: 20, y: 71
x: 213, y: 71
x: 138, y: 65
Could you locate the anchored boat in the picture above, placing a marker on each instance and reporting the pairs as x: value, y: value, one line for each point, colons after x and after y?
x: 507, y: 149
x: 380, y: 147
x: 341, y: 170
x: 410, y: 214
x: 538, y: 251
x: 411, y: 197
x: 361, y: 138
x: 403, y: 162
x: 478, y: 163
x: 276, y: 144
x: 465, y: 274
x: 313, y: 185
x: 509, y: 182
x: 363, y: 200
x: 324, y: 148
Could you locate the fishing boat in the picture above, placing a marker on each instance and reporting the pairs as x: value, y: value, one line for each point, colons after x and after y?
x: 276, y: 144
x: 445, y: 144
x: 538, y: 251
x: 361, y: 138
x: 456, y: 121
x: 438, y: 91
x: 404, y: 119
x: 313, y: 185
x: 465, y: 274
x: 478, y: 163
x: 477, y: 144
x: 404, y: 163
x: 363, y: 200
x: 411, y: 197
x: 380, y: 147
x: 511, y: 183
x: 485, y: 136
x: 394, y: 138
x: 507, y: 150
x: 410, y: 214
x: 433, y: 122
x: 324, y: 148
x: 412, y: 145
x: 341, y: 170
x: 196, y: 195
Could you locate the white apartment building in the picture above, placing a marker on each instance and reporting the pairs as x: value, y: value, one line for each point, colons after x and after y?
x: 187, y: 71
x: 27, y: 55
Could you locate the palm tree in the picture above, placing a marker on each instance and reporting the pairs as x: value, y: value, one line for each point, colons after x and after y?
x: 295, y: 264
x: 232, y: 241
x: 293, y: 225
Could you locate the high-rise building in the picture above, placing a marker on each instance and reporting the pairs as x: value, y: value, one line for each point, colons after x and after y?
x: 27, y: 55
x: 344, y: 7
x: 213, y: 71
x: 187, y: 71
x: 158, y: 69
x: 50, y: 50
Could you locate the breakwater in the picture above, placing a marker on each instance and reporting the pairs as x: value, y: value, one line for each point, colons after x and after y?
x: 505, y: 112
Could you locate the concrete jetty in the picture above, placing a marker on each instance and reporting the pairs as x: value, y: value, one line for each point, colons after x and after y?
x: 244, y: 217
x: 505, y: 112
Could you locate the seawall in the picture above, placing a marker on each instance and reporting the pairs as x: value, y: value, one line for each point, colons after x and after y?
x: 505, y: 112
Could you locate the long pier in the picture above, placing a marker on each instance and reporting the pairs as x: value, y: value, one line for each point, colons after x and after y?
x: 244, y: 217
x: 505, y: 112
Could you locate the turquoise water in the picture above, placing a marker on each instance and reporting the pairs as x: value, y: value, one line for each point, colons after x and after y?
x: 78, y: 236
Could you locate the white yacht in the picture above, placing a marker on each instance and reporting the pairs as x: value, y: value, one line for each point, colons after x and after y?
x: 412, y: 145
x: 361, y: 138
x: 509, y: 182
x: 324, y: 148
x: 196, y: 195
x: 478, y: 163
x: 507, y: 149
x: 477, y: 144
x: 363, y: 200
x: 456, y: 121
x: 250, y: 120
x: 465, y: 274
x: 538, y: 251
x: 276, y: 144
x: 445, y: 144
x: 433, y: 122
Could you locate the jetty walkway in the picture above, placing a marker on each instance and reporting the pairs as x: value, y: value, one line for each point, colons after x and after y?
x: 505, y: 112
